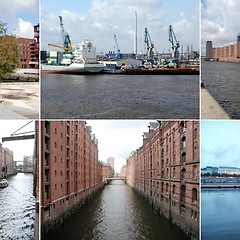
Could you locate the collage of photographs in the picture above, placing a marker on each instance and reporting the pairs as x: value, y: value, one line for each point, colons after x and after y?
x: 120, y: 120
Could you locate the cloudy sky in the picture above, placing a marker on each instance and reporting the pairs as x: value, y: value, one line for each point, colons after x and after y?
x: 21, y: 147
x: 99, y: 20
x: 20, y: 16
x: 220, y: 21
x: 118, y: 138
x: 220, y: 143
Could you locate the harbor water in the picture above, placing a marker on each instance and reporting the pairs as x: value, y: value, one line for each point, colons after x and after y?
x: 109, y: 96
x: 220, y: 211
x: 17, y: 208
x: 222, y: 80
x: 116, y: 213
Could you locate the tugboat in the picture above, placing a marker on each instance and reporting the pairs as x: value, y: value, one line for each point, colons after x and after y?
x: 3, y: 183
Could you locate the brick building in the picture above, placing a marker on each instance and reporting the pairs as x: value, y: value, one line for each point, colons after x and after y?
x: 229, y: 53
x: 107, y: 170
x: 7, y: 165
x: 165, y: 170
x: 26, y: 50
x: 70, y: 170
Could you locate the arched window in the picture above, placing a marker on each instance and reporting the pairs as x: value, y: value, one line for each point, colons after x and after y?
x: 194, y: 195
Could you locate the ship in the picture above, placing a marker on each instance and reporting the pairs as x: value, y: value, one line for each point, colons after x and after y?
x: 81, y: 60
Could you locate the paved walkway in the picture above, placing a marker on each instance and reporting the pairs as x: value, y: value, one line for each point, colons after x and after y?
x: 19, y: 100
x: 210, y: 108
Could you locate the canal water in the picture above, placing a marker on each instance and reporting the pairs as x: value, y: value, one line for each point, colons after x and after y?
x: 108, y: 96
x: 117, y: 213
x: 222, y: 80
x: 17, y: 208
x: 220, y: 211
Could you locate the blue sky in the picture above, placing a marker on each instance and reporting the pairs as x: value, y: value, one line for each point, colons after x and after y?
x: 220, y: 143
x: 99, y: 20
x: 20, y: 16
x: 220, y: 22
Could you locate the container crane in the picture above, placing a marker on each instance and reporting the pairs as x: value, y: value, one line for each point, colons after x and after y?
x: 149, y: 44
x: 117, y: 47
x: 174, y: 45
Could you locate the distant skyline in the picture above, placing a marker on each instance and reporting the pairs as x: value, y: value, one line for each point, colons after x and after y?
x: 118, y: 138
x: 220, y: 143
x: 20, y: 16
x: 99, y: 20
x: 219, y: 22
x: 20, y: 147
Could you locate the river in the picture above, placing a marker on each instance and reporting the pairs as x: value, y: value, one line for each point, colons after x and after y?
x: 116, y: 213
x: 17, y: 208
x: 222, y: 80
x: 220, y: 211
x: 109, y: 96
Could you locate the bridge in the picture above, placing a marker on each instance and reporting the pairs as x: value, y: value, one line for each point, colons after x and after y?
x: 108, y: 180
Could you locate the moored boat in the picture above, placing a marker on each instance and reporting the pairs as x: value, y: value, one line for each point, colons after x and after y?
x: 3, y: 183
x: 82, y: 60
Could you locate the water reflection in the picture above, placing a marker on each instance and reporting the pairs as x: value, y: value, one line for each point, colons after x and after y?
x: 116, y: 213
x: 17, y: 208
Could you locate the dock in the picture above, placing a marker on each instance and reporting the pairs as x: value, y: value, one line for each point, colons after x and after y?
x: 210, y: 108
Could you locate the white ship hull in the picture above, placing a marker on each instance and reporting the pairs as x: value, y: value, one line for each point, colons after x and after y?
x: 74, y: 68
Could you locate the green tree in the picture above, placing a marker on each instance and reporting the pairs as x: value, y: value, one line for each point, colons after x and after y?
x: 8, y: 52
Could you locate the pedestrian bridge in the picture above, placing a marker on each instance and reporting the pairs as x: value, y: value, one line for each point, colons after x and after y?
x: 108, y: 180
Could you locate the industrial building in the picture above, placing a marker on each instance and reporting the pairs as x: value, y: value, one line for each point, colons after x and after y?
x: 165, y: 170
x: 70, y: 171
x: 228, y: 53
x: 7, y: 164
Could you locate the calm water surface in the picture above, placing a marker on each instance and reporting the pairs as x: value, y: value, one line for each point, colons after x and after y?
x: 17, y: 208
x: 119, y: 96
x: 116, y: 214
x: 220, y: 214
x: 223, y: 81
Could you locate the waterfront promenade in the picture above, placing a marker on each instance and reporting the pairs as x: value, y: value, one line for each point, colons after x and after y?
x: 210, y: 108
x: 19, y: 100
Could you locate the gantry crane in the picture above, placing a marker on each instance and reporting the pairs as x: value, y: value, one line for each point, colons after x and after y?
x: 174, y: 45
x: 149, y: 44
x: 67, y: 44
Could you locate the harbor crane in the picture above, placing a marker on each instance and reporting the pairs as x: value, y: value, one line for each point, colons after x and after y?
x: 67, y: 44
x: 117, y: 47
x: 149, y: 44
x: 174, y: 45
x: 65, y: 36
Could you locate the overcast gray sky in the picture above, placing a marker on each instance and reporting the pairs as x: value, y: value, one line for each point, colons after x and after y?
x: 118, y: 138
x: 22, y: 147
x: 220, y: 143
x: 99, y: 20
x: 220, y: 22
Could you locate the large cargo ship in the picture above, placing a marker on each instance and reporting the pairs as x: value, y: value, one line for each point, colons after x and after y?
x: 81, y: 60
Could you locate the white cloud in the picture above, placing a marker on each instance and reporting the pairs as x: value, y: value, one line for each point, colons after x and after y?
x: 24, y: 29
x: 10, y: 8
x: 220, y: 21
x: 106, y: 18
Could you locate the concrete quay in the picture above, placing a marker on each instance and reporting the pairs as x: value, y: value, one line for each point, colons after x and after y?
x: 19, y: 100
x: 210, y: 108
